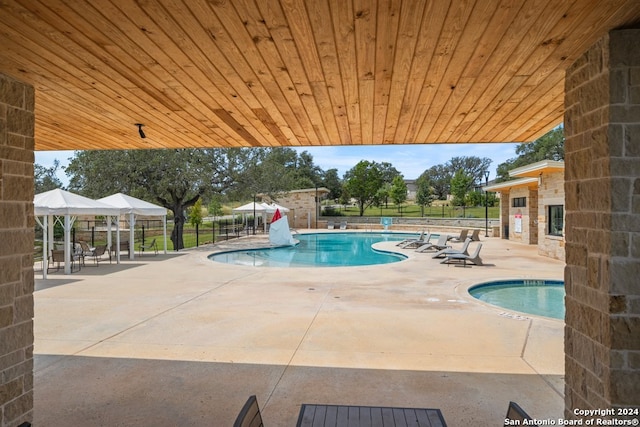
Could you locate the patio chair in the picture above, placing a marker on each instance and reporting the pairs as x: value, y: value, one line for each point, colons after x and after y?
x: 343, y: 225
x: 57, y: 257
x: 124, y: 246
x: 475, y: 235
x: 249, y: 416
x: 515, y: 413
x: 416, y: 242
x: 331, y: 225
x: 450, y: 251
x: 86, y: 249
x: 464, y: 258
x: 153, y: 245
x: 461, y: 238
x: 439, y: 245
x: 97, y: 254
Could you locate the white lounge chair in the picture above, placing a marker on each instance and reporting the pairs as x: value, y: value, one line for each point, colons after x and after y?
x: 343, y: 225
x: 464, y: 258
x: 449, y: 251
x: 411, y: 239
x: 439, y: 245
x: 461, y: 238
x: 416, y: 242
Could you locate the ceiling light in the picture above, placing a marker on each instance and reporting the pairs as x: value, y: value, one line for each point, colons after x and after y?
x: 140, y: 131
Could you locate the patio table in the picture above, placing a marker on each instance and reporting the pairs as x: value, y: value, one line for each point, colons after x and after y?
x: 312, y: 415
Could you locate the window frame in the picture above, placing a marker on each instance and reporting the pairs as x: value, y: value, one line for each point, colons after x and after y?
x: 519, y: 202
x: 552, y: 219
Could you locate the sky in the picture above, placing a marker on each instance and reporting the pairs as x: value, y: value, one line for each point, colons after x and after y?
x: 409, y: 159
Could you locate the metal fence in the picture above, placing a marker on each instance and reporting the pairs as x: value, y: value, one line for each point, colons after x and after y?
x: 94, y: 232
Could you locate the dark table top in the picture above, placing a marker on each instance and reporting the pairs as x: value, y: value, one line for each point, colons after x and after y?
x: 312, y: 415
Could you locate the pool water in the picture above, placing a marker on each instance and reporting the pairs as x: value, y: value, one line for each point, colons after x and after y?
x: 320, y: 250
x: 538, y: 297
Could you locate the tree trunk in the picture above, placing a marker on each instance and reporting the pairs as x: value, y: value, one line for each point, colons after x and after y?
x: 178, y: 228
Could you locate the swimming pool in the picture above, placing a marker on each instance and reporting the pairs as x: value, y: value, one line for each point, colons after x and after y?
x: 320, y: 250
x: 539, y: 297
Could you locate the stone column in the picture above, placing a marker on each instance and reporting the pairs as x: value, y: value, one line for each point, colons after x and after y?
x: 16, y: 251
x: 602, y: 276
x: 532, y: 209
x: 505, y: 204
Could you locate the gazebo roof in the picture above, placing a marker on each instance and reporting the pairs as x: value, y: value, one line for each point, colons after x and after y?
x: 61, y: 202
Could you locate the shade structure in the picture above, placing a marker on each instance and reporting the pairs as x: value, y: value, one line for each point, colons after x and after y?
x: 250, y: 208
x: 272, y: 207
x: 255, y: 209
x: 133, y: 207
x: 63, y: 203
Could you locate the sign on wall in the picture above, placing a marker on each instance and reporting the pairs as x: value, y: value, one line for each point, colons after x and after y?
x: 517, y: 226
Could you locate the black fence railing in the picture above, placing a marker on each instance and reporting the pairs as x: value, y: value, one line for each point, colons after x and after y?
x: 94, y: 232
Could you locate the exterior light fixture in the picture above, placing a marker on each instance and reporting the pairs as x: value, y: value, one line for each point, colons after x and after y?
x: 140, y: 131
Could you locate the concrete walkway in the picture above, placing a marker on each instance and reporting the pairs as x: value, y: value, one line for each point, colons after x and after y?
x: 180, y: 340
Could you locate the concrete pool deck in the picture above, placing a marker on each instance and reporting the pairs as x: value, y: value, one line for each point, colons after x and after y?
x: 180, y: 340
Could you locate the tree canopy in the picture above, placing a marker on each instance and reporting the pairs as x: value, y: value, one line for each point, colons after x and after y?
x: 398, y: 191
x: 440, y: 176
x: 362, y: 182
x: 548, y: 147
x: 176, y: 178
x: 45, y: 179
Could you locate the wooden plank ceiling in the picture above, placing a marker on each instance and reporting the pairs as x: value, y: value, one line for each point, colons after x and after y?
x: 229, y: 73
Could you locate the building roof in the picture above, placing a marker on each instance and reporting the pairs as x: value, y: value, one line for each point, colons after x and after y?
x: 535, y: 169
x: 530, y: 174
x: 198, y: 73
x: 514, y: 183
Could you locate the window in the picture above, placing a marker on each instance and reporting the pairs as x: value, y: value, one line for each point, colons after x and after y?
x: 556, y: 220
x: 519, y: 202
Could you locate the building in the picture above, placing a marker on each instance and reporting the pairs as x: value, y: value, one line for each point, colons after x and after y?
x: 532, y: 207
x: 303, y: 206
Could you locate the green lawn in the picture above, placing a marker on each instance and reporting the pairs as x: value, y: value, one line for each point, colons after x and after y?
x: 414, y: 211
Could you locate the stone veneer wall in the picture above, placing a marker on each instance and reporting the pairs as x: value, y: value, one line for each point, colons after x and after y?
x: 602, y: 154
x: 16, y: 251
x: 550, y: 193
x: 302, y: 205
x: 525, y: 235
x: 505, y: 203
x: 532, y: 209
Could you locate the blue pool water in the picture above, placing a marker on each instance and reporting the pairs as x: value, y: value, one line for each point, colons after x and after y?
x: 539, y: 297
x: 320, y: 250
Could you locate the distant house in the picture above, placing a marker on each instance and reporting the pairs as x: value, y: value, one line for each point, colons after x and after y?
x: 532, y: 207
x: 412, y: 189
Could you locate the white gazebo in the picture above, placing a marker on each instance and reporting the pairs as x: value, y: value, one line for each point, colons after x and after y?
x: 60, y: 203
x: 134, y: 207
x: 255, y: 209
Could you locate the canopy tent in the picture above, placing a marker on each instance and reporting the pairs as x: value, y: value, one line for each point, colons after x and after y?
x: 134, y: 207
x: 260, y: 208
x: 64, y: 203
x: 273, y: 207
x: 255, y: 209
